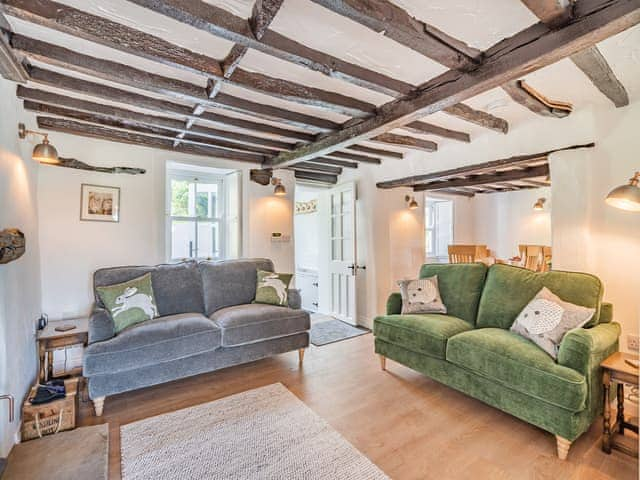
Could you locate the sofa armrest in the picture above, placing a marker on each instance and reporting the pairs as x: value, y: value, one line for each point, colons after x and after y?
x: 606, y: 313
x: 394, y: 304
x: 583, y: 349
x: 101, y: 326
x: 294, y: 299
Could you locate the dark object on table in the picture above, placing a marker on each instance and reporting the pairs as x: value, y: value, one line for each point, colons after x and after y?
x: 43, y: 321
x: 64, y: 328
x: 48, y: 392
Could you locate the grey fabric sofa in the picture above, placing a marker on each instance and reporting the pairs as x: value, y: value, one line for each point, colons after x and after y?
x: 206, y: 322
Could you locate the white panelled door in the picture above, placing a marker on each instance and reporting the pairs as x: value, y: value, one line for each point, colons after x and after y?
x: 342, y: 252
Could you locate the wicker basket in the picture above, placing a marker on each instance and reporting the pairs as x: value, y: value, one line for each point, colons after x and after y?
x: 52, y: 417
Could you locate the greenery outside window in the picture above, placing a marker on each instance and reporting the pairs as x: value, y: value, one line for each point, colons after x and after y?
x: 438, y: 221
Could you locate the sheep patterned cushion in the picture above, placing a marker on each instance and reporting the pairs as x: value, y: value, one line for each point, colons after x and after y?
x: 547, y: 318
x: 273, y: 288
x: 130, y: 302
x: 421, y: 296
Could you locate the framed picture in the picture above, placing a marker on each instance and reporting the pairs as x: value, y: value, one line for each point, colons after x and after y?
x: 99, y: 203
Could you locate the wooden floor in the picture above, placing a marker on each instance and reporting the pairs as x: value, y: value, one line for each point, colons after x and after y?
x: 409, y: 425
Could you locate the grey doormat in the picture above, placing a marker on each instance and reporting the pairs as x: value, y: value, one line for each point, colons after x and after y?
x: 261, y: 434
x: 79, y: 454
x: 330, y: 331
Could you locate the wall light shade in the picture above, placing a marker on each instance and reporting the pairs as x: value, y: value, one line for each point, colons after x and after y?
x: 626, y: 197
x: 539, y: 205
x: 279, y: 190
x: 45, y: 152
x: 412, y: 204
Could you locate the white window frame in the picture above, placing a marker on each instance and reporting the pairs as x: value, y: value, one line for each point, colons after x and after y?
x: 196, y: 177
x: 428, y: 208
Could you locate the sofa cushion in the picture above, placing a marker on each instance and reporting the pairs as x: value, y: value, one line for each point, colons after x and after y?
x: 249, y: 323
x: 509, y: 289
x: 177, y: 287
x: 230, y: 282
x: 426, y: 333
x: 460, y: 287
x: 516, y: 363
x: 160, y: 340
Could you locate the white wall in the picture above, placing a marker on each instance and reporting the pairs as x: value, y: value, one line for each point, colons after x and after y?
x: 307, y: 230
x: 72, y: 250
x: 502, y: 221
x: 20, y: 279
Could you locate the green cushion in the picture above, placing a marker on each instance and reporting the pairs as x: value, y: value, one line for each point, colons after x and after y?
x: 508, y: 290
x: 516, y: 363
x: 272, y: 288
x: 129, y: 302
x: 460, y: 287
x: 425, y: 333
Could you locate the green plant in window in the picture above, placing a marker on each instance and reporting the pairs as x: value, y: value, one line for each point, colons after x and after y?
x: 180, y: 198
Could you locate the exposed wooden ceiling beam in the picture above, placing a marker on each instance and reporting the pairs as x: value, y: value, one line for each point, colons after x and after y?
x: 76, y: 85
x: 590, y: 60
x: 354, y: 157
x: 527, y: 51
x: 459, y: 192
x: 478, y: 168
x: 338, y: 163
x: 121, y: 136
x: 322, y: 178
x: 406, y: 142
x: 478, y: 117
x: 392, y: 21
x: 536, y: 183
x: 425, y: 128
x: 485, y: 178
x: 521, y: 96
x: 120, y: 37
x: 317, y: 167
x: 377, y: 152
x: 10, y: 66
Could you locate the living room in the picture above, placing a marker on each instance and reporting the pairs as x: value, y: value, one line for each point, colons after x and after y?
x: 350, y: 151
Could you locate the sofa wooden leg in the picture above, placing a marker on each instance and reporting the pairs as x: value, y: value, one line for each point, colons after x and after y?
x: 98, y: 405
x: 300, y: 356
x: 383, y: 362
x: 563, y: 447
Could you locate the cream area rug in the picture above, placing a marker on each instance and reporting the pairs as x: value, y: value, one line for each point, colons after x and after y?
x: 266, y: 433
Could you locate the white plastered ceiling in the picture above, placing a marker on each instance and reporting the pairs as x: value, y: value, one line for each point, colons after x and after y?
x: 478, y: 23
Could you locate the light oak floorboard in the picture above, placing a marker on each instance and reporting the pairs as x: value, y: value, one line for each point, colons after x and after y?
x: 410, y: 426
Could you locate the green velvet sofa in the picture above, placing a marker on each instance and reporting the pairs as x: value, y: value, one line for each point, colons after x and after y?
x: 472, y: 350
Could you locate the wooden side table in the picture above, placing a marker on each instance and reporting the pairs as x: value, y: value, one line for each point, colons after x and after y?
x: 50, y: 339
x: 615, y: 369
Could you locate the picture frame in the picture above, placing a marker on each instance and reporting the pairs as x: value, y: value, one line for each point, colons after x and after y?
x: 99, y: 203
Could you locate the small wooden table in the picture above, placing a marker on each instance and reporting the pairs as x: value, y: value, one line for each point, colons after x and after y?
x: 49, y: 339
x: 615, y: 369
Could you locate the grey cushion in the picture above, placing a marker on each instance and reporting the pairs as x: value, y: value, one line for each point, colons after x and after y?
x: 160, y: 340
x: 101, y: 325
x: 242, y: 324
x: 177, y: 287
x: 230, y: 282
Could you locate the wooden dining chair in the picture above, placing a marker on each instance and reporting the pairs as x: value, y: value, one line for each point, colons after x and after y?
x: 532, y: 257
x: 546, y: 253
x: 467, y: 253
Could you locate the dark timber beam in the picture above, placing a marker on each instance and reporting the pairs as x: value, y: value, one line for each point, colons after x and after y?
x: 590, y: 60
x: 525, y: 52
x: 323, y: 178
x: 377, y: 152
x: 430, y: 129
x: 478, y: 117
x: 487, y: 178
x: 406, y: 142
x: 75, y: 85
x: 316, y: 167
x: 337, y: 163
x: 478, y: 168
x: 120, y: 136
x: 354, y: 157
x: 120, y: 37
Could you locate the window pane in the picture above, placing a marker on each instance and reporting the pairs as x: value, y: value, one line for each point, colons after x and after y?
x: 183, y: 238
x: 179, y: 198
x: 207, y: 200
x: 208, y: 240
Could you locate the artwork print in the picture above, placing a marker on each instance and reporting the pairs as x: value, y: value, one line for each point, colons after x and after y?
x: 100, y: 203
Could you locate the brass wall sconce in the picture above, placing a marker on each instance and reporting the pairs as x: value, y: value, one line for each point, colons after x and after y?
x: 412, y: 204
x: 279, y: 190
x: 43, y: 152
x: 626, y: 197
x: 539, y: 205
